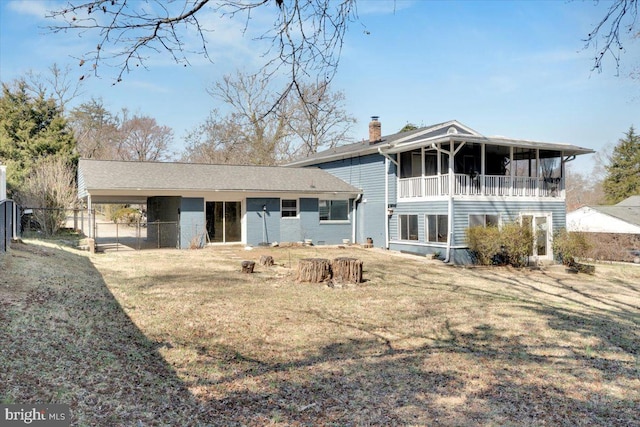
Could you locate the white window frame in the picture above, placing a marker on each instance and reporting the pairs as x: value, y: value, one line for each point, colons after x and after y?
x: 426, y: 228
x: 284, y: 209
x: 417, y: 239
x: 484, y: 219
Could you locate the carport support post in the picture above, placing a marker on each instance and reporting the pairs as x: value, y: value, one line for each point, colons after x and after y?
x: 91, y: 233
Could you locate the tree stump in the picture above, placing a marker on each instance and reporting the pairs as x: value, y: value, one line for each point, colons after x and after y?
x: 266, y: 260
x: 347, y: 270
x: 314, y: 270
x: 247, y: 266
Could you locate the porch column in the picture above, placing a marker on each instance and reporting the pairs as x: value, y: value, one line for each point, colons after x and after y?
x: 89, y: 219
x: 439, y: 168
x: 482, y: 168
x: 537, y: 172
x: 511, y: 171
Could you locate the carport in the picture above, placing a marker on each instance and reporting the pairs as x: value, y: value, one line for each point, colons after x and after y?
x: 220, y: 204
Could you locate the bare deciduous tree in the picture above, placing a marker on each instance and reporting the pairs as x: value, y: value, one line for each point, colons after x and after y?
x: 215, y: 142
x: 582, y: 189
x: 142, y: 139
x: 58, y: 84
x: 319, y: 120
x: 50, y: 189
x: 253, y: 132
x: 253, y: 123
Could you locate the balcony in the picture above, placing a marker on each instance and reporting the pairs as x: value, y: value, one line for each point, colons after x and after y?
x: 481, y: 185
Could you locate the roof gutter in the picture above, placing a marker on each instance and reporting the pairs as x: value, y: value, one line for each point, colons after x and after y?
x: 428, y: 142
x: 386, y: 156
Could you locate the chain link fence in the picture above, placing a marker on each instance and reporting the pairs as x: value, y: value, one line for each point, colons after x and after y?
x: 6, y: 224
x: 108, y: 234
x: 111, y: 235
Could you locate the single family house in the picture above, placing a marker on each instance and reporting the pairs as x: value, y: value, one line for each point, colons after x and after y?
x: 621, y: 218
x: 415, y: 191
x: 423, y: 188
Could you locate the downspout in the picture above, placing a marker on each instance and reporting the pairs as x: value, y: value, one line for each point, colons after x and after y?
x: 355, y: 217
x: 387, y: 159
x: 452, y: 152
x: 450, y: 207
x: 386, y: 203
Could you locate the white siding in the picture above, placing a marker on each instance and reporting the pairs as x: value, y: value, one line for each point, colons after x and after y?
x: 592, y: 221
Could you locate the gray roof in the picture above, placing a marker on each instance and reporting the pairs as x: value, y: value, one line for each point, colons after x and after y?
x: 627, y: 210
x: 148, y: 177
x: 630, y: 201
x: 425, y: 136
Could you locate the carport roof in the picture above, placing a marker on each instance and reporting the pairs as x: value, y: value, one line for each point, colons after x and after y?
x: 109, y: 178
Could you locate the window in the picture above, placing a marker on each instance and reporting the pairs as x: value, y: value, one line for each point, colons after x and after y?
x: 334, y: 210
x: 484, y: 220
x: 408, y: 227
x: 289, y: 208
x: 437, y: 228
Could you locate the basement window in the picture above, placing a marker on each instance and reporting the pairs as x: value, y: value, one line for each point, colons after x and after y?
x: 408, y: 227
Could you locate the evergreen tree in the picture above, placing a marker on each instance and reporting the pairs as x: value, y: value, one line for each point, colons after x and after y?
x: 623, y: 171
x: 32, y: 127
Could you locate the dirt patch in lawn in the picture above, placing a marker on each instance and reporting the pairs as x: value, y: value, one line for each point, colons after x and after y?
x: 168, y: 337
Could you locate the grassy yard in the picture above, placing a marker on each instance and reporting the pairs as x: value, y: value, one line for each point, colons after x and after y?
x: 166, y: 337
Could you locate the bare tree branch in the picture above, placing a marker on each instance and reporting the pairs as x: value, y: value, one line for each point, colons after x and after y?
x: 608, y: 34
x: 305, y: 39
x: 57, y: 85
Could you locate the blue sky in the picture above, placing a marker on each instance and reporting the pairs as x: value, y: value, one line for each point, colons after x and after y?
x: 515, y: 69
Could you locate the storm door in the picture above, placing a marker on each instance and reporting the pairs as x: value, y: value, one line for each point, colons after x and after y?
x: 224, y: 222
x: 541, y: 227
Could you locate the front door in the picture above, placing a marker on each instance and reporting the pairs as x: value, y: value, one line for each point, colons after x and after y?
x: 224, y: 222
x: 541, y: 227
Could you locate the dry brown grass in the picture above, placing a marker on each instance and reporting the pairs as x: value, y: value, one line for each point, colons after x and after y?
x: 169, y: 337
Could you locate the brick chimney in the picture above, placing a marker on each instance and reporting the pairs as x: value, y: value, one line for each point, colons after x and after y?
x: 375, y: 130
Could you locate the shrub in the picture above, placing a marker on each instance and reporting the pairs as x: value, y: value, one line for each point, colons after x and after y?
x: 127, y: 215
x: 517, y: 243
x: 484, y: 243
x: 570, y: 246
x: 510, y: 244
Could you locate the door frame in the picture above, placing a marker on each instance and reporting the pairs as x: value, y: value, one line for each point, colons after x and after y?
x: 549, y: 241
x: 240, y: 220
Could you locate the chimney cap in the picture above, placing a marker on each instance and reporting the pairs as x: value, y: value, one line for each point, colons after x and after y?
x: 375, y: 118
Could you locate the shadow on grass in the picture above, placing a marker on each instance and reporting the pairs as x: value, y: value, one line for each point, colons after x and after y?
x: 68, y: 340
x: 482, y: 376
x: 65, y: 339
x: 478, y: 378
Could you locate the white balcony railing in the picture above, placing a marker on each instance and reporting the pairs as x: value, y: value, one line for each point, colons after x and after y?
x: 481, y: 185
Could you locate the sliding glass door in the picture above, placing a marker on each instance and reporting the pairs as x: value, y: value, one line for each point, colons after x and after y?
x: 224, y: 222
